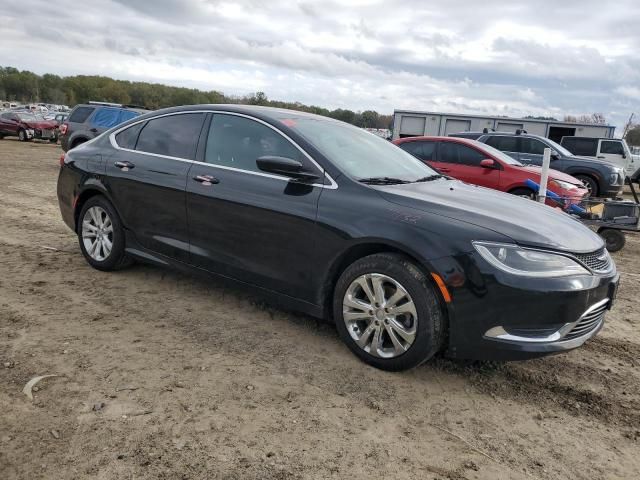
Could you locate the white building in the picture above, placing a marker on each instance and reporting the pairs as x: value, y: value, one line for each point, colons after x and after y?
x: 407, y: 123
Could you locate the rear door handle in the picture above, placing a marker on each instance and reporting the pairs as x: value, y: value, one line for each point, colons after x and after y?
x: 124, y: 166
x: 206, y: 180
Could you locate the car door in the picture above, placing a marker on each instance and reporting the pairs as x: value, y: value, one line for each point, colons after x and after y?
x: 243, y: 223
x: 9, y: 123
x: 464, y: 162
x: 612, y: 151
x: 531, y: 151
x: 147, y: 176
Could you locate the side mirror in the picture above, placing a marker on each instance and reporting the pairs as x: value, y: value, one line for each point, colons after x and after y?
x: 285, y: 166
x: 555, y: 155
x: 488, y: 163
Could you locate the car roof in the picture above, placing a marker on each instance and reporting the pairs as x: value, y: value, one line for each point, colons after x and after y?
x: 468, y: 141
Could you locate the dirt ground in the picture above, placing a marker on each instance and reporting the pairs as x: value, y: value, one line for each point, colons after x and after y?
x: 161, y: 375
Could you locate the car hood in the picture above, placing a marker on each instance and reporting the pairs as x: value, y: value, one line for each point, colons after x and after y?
x: 554, y: 174
x: 590, y: 160
x: 524, y: 221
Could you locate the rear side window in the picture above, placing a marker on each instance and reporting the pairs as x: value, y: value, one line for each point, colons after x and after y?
x: 503, y: 143
x: 110, y: 117
x: 531, y: 146
x: 174, y: 135
x: 128, y: 137
x: 421, y: 150
x: 587, y: 147
x: 81, y: 114
x: 461, y: 154
x: 238, y: 142
x: 612, y: 148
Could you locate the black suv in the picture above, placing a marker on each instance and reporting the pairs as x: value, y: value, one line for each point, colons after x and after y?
x: 602, y: 179
x: 88, y: 120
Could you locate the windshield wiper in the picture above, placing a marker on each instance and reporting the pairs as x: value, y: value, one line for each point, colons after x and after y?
x: 382, y: 181
x: 429, y: 178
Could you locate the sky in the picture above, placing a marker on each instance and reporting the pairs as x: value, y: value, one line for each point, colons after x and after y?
x: 539, y: 57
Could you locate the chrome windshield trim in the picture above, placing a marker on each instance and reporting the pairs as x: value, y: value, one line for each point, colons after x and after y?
x: 332, y: 183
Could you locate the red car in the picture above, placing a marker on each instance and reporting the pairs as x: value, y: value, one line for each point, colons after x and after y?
x: 480, y: 164
x: 27, y: 125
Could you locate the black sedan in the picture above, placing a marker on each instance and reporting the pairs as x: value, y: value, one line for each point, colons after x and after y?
x: 333, y: 221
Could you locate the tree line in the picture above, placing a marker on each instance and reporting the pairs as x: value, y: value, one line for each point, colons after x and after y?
x: 28, y: 87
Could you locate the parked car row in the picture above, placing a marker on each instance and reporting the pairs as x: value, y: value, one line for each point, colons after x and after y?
x: 481, y: 164
x: 331, y: 220
x: 601, y: 178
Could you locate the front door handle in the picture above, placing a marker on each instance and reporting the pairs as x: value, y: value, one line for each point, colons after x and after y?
x: 124, y: 166
x: 601, y: 156
x: 206, y: 180
x: 93, y: 130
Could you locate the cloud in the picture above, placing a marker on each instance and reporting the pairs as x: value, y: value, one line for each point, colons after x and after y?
x: 518, y: 58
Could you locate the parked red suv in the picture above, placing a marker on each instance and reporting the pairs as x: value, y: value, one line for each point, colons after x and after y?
x: 480, y: 164
x: 27, y: 125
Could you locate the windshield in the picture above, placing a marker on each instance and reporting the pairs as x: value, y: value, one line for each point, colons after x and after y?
x: 503, y: 157
x: 558, y: 148
x: 358, y: 153
x: 26, y: 117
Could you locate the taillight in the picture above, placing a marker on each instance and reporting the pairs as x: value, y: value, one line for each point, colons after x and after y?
x: 63, y: 129
x: 62, y: 160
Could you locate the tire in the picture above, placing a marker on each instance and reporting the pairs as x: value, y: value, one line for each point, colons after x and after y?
x: 523, y: 192
x: 590, y: 183
x: 96, y: 210
x: 22, y: 135
x: 419, y: 337
x: 54, y: 139
x: 614, y: 239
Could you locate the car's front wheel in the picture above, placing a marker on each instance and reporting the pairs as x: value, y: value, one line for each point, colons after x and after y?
x: 590, y: 184
x: 22, y: 135
x: 388, y: 313
x: 101, y: 235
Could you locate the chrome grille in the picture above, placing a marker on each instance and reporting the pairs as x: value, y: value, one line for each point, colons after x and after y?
x: 599, y: 261
x: 589, y: 321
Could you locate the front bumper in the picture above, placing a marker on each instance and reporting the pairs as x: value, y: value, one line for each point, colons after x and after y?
x: 497, y: 316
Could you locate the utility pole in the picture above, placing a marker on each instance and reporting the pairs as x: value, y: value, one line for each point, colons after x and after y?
x: 628, y: 125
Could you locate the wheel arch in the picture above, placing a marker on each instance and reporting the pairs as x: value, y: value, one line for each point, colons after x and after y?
x: 88, y: 192
x: 364, y: 249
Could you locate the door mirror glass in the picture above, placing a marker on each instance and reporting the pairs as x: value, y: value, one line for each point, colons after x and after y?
x: 488, y: 163
x: 554, y: 155
x: 285, y: 166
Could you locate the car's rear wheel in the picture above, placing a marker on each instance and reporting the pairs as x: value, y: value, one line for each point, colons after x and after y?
x: 22, y: 135
x: 524, y: 192
x: 388, y: 313
x: 101, y: 235
x: 589, y: 183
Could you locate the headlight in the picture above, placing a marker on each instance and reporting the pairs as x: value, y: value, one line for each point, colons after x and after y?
x: 563, y: 185
x: 516, y: 260
x: 616, y: 178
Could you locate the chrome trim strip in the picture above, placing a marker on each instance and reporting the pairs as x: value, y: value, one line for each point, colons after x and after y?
x: 332, y: 186
x: 499, y: 333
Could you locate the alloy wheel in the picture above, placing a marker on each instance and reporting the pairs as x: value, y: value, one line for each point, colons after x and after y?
x: 380, y: 315
x: 97, y: 233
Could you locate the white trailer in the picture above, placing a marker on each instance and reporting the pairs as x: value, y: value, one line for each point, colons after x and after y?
x: 408, y: 123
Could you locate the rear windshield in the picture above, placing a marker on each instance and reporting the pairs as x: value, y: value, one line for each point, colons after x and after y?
x: 80, y: 114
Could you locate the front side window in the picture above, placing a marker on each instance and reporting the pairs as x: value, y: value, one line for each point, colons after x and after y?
x: 612, y: 148
x: 355, y: 151
x: 531, y: 146
x: 461, y: 154
x: 81, y: 114
x: 504, y: 143
x: 173, y: 135
x: 237, y: 142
